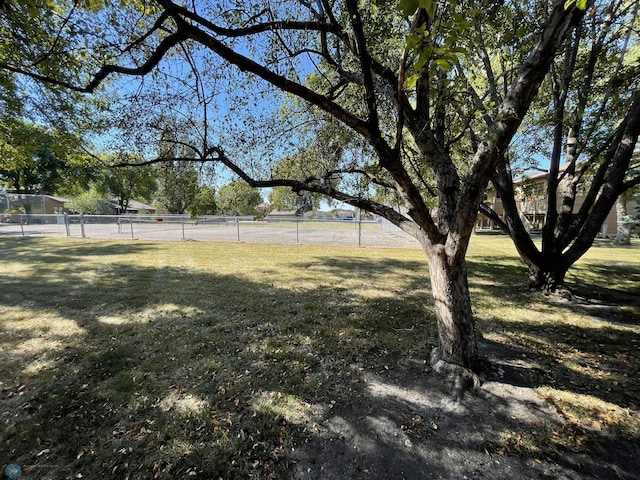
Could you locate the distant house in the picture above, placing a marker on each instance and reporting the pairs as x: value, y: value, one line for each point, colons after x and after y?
x: 282, y: 215
x: 345, y: 214
x: 33, y: 204
x: 22, y: 203
x: 54, y: 205
x: 133, y: 207
x: 263, y: 209
x: 322, y: 215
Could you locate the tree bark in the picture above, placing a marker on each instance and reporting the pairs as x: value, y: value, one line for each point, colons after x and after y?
x: 456, y: 325
x: 623, y: 233
x: 548, y: 276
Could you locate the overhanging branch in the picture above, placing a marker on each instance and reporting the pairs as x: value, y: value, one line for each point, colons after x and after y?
x: 216, y: 154
x: 490, y: 213
x: 369, y: 175
x: 262, y: 27
x: 154, y: 59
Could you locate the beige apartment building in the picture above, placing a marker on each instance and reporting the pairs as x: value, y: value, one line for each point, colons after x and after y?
x: 531, y: 200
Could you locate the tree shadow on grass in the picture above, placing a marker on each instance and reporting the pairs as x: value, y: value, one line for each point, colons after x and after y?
x: 405, y: 425
x: 164, y: 372
x: 594, y: 365
x: 611, y: 285
x: 580, y: 347
x: 120, y: 369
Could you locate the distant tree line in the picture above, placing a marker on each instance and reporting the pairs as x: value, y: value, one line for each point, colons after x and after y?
x: 37, y: 160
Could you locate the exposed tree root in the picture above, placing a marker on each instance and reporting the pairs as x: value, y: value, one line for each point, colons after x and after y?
x: 566, y: 296
x: 559, y: 291
x: 462, y: 379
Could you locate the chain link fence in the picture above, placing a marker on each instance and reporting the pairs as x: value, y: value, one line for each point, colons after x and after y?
x: 210, y: 228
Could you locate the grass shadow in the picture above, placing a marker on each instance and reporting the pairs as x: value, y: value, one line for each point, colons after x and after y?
x: 161, y: 371
x: 169, y: 361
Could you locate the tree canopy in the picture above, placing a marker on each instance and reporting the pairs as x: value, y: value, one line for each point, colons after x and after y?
x: 431, y: 93
x: 126, y: 183
x: 205, y: 202
x: 37, y: 160
x: 238, y: 198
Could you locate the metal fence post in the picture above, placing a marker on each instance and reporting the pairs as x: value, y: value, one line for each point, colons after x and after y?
x: 22, y: 225
x: 238, y: 227
x: 66, y: 224
x: 131, y: 223
x: 297, y: 230
x: 182, y: 222
x: 360, y: 228
x: 82, y: 225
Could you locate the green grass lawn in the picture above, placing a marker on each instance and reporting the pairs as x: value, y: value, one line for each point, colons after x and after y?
x: 161, y: 360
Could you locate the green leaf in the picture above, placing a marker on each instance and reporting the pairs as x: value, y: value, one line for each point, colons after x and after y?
x: 461, y: 50
x: 412, y: 41
x: 429, y: 6
x: 453, y: 38
x: 422, y: 60
x: 411, y: 80
x: 408, y: 7
x: 521, y: 32
x: 580, y: 4
x: 443, y: 65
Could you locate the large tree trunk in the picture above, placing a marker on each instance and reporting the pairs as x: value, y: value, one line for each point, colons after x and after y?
x: 458, y: 348
x: 548, y: 276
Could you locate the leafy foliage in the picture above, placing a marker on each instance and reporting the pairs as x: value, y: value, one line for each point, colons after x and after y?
x: 126, y: 183
x: 204, y: 202
x: 238, y: 198
x: 47, y: 37
x: 177, y: 186
x: 90, y: 203
x: 38, y: 160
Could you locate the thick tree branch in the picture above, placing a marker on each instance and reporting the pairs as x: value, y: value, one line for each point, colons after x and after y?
x: 365, y: 63
x: 323, y: 188
x: 157, y: 25
x: 486, y: 61
x: 364, y: 172
x: 246, y: 64
x: 216, y: 154
x: 513, y: 109
x: 237, y: 32
x: 629, y: 184
x: 490, y: 213
x: 618, y: 158
x: 154, y: 59
x: 503, y: 182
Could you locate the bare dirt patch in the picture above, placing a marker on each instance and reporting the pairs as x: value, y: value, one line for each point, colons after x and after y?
x: 406, y: 424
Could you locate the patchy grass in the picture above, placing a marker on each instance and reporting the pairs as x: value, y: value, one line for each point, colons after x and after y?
x: 168, y: 359
x: 172, y: 360
x: 587, y: 354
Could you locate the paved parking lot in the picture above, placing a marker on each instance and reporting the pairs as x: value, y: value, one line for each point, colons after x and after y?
x: 310, y: 233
